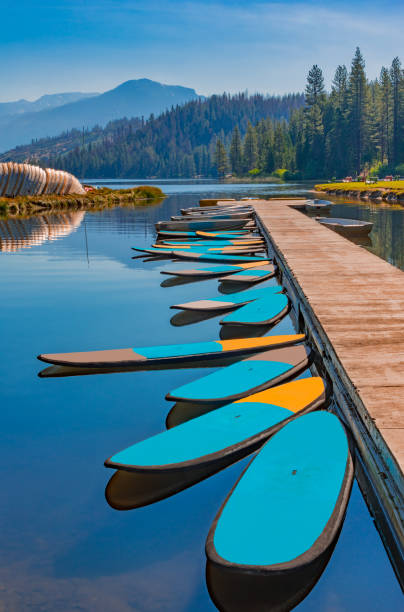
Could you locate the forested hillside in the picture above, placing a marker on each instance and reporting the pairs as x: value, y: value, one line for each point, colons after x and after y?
x: 357, y: 126
x: 180, y: 142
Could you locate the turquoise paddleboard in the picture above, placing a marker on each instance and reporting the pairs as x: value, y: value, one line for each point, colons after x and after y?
x: 229, y: 301
x: 194, y: 351
x: 251, y: 375
x: 224, y: 235
x: 264, y: 311
x: 213, y: 216
x: 212, y: 248
x: 214, y: 243
x: 277, y: 528
x: 216, y: 257
x: 216, y: 235
x: 202, y: 252
x: 216, y: 271
x: 210, y: 225
x: 222, y: 436
x: 253, y: 275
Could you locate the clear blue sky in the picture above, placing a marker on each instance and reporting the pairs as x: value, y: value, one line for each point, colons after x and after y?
x: 52, y: 46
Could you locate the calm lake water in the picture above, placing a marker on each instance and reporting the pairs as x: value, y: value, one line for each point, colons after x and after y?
x: 68, y: 283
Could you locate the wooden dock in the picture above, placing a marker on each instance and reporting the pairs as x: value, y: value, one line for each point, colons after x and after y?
x: 351, y: 303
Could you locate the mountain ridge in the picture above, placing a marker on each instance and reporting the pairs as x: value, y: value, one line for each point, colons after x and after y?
x: 47, y: 101
x: 133, y: 98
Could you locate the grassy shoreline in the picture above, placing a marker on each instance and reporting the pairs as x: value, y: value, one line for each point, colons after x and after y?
x: 92, y: 200
x: 390, y: 191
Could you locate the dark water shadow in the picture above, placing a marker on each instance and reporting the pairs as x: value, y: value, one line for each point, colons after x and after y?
x: 147, y: 258
x: 229, y: 332
x: 188, y: 317
x: 242, y: 592
x: 131, y: 490
x: 365, y: 241
x: 230, y: 286
x: 182, y: 412
x: 174, y: 281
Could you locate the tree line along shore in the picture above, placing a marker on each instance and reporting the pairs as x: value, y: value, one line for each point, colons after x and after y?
x: 356, y: 127
x: 95, y: 199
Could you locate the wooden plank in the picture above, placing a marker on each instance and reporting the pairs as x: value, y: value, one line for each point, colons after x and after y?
x: 358, y: 300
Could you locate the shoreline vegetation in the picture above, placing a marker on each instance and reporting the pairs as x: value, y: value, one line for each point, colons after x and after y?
x: 389, y: 191
x: 92, y: 200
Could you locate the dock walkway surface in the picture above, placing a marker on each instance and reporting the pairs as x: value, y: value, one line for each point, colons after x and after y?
x: 353, y: 302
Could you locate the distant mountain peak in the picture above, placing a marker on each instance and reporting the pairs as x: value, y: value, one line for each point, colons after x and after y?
x: 56, y: 113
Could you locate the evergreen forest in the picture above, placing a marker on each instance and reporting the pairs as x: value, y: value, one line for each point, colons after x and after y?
x: 357, y: 127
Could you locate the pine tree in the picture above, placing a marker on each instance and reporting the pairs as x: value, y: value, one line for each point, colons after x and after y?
x: 357, y: 109
x: 250, y: 157
x: 397, y: 83
x: 236, y: 152
x: 315, y: 86
x: 221, y: 161
x: 385, y: 115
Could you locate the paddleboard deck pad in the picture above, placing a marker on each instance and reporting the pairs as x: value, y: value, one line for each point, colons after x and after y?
x: 254, y: 374
x: 170, y: 353
x: 224, y: 435
x: 275, y: 532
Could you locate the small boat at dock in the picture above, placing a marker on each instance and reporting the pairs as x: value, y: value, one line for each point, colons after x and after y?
x: 313, y: 206
x: 348, y: 227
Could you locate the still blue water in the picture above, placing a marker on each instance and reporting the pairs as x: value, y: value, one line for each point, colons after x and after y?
x: 68, y: 283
